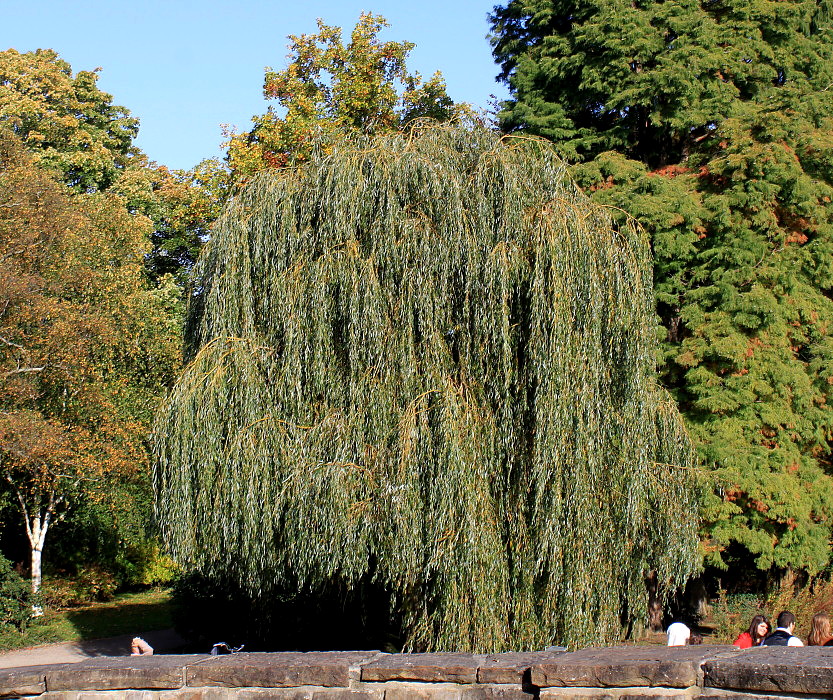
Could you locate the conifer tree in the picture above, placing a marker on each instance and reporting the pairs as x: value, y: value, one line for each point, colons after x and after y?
x: 710, y: 123
x: 427, y: 360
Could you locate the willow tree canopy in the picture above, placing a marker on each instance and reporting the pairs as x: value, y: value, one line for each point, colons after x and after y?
x: 429, y: 359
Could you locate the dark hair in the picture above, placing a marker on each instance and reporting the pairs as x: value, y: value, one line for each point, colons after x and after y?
x: 753, y: 629
x: 785, y: 619
x: 694, y: 638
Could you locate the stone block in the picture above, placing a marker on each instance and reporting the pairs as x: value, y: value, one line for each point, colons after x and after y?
x: 497, y: 692
x: 422, y: 691
x: 123, y: 672
x: 710, y: 694
x: 278, y: 669
x: 138, y: 695
x: 427, y: 668
x: 115, y: 695
x: 798, y: 670
x: 512, y: 667
x: 626, y: 666
x: 306, y: 694
x: 450, y: 691
x: 26, y: 680
x: 195, y: 694
x: 619, y: 694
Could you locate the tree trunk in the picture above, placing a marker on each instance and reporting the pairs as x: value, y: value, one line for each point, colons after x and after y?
x: 654, y: 602
x: 37, y: 536
x: 36, y: 521
x: 697, y: 598
x: 37, y: 554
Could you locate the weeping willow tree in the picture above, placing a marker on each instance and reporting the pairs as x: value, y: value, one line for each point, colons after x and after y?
x: 428, y: 359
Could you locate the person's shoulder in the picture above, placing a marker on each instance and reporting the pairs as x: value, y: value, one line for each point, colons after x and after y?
x: 794, y: 642
x: 744, y: 640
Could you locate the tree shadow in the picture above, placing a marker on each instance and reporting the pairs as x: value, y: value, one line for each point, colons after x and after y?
x: 107, y: 629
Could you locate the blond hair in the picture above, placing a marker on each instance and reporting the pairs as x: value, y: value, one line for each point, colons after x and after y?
x: 820, y: 631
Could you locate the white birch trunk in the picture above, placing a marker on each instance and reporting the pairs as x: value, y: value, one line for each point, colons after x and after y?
x: 37, y: 536
x: 36, y: 542
x: 37, y: 524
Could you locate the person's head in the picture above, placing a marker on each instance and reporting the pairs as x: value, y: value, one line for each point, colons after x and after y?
x: 678, y: 634
x: 694, y: 638
x: 820, y: 630
x: 786, y: 620
x: 758, y: 629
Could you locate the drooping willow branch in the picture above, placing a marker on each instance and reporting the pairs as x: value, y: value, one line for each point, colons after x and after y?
x: 430, y: 359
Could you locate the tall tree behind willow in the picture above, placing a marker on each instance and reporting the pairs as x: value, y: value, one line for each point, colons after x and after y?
x: 710, y: 123
x: 330, y: 87
x: 69, y: 124
x: 72, y: 129
x: 428, y: 358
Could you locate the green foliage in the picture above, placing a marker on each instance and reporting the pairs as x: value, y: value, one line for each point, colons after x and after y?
x: 183, y: 205
x: 710, y: 123
x: 152, y: 567
x: 110, y: 533
x: 732, y: 614
x: 94, y: 584
x: 70, y: 124
x: 329, y: 88
x: 16, y: 598
x: 87, y: 346
x: 426, y: 360
x: 73, y: 131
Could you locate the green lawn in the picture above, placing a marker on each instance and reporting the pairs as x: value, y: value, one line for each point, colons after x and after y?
x: 126, y: 613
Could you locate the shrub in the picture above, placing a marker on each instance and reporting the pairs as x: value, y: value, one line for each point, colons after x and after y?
x: 814, y: 596
x: 95, y: 584
x: 16, y: 599
x: 144, y: 564
x: 732, y: 614
x: 58, y: 592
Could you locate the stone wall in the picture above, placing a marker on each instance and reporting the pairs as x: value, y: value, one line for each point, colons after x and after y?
x: 612, y: 673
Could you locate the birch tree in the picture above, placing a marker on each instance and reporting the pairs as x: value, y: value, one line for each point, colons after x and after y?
x: 37, y: 462
x: 86, y: 346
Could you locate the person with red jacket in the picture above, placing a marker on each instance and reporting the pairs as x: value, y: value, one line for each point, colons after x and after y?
x: 754, y: 637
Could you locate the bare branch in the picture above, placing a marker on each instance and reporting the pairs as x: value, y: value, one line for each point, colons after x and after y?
x: 26, y: 519
x: 9, y: 342
x: 23, y: 370
x: 11, y: 254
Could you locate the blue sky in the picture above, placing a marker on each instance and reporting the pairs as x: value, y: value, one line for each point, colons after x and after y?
x: 184, y: 67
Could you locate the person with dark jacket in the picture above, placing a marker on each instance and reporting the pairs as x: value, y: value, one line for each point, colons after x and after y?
x: 783, y: 635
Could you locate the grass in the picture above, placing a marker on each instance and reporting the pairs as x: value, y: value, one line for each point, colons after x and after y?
x: 126, y: 613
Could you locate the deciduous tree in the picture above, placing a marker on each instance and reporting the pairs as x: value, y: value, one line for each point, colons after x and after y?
x: 330, y: 87
x: 65, y: 120
x: 86, y: 347
x: 183, y: 206
x: 73, y: 129
x: 426, y: 360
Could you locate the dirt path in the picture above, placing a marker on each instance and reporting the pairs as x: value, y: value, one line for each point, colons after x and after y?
x: 71, y: 652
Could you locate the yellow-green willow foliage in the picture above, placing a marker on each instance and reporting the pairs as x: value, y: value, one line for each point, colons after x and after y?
x: 429, y: 359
